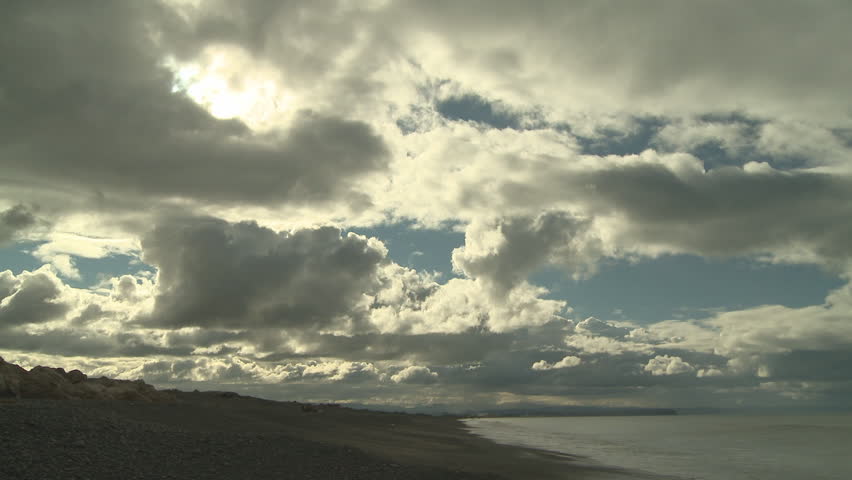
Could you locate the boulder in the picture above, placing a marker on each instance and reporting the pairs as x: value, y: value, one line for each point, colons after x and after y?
x: 10, y: 379
x: 76, y: 376
x: 45, y: 382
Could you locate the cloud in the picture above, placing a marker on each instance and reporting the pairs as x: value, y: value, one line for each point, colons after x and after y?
x: 415, y: 374
x: 692, y: 134
x: 465, y: 304
x: 61, y: 132
x: 14, y: 221
x: 64, y: 264
x: 221, y: 275
x: 594, y: 327
x: 505, y: 254
x: 709, y: 372
x: 127, y: 288
x: 605, y: 345
x: 666, y: 365
x: 64, y: 243
x: 32, y: 297
x: 481, y: 360
x: 790, y: 142
x: 654, y: 57
x: 8, y: 284
x: 340, y: 371
x: 215, y: 274
x: 531, y: 198
x: 566, y: 362
x: 733, y: 211
x: 779, y: 342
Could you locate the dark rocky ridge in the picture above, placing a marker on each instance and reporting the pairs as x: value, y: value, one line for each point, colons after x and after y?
x: 56, y: 383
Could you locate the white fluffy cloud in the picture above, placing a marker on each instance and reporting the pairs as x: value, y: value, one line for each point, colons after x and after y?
x: 464, y: 304
x: 566, y: 362
x: 415, y: 374
x: 666, y: 365
x: 594, y: 327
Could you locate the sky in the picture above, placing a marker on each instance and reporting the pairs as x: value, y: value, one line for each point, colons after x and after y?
x: 401, y: 203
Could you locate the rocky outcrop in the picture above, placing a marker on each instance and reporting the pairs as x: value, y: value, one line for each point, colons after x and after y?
x: 76, y: 376
x: 10, y: 380
x: 56, y: 383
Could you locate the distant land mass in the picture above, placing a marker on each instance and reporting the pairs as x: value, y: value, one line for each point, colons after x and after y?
x: 520, y: 410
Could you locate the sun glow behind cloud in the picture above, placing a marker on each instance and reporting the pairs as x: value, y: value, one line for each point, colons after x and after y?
x: 228, y: 83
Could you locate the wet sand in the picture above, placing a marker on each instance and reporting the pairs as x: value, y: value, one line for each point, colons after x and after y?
x: 209, y: 435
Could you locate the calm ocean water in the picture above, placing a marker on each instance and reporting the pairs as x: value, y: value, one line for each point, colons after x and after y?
x: 706, y: 447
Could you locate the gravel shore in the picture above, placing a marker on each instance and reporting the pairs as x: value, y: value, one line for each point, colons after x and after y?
x: 210, y: 435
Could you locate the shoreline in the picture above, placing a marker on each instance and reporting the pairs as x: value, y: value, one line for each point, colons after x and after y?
x: 585, y: 467
x: 215, y: 435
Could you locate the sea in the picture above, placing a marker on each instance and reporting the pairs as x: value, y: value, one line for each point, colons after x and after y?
x: 705, y: 447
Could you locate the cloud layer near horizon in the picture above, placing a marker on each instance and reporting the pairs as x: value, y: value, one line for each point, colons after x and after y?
x: 230, y: 147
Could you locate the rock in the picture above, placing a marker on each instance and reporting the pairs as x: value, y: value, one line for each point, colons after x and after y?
x: 106, y: 382
x: 56, y: 383
x: 45, y: 382
x: 10, y: 380
x: 9, y: 388
x: 76, y: 376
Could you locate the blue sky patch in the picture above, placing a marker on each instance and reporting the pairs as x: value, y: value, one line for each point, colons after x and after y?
x: 686, y: 286
x: 473, y: 108
x: 92, y: 270
x: 422, y: 249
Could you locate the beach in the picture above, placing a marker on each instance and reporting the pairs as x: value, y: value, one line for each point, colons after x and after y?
x: 220, y: 435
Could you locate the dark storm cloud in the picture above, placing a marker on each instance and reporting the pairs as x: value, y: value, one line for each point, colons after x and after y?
x: 527, y: 243
x: 216, y: 274
x: 805, y: 365
x: 729, y: 211
x: 36, y: 299
x: 89, y: 107
x: 80, y: 342
x: 721, y: 212
x: 470, y: 346
x: 204, y: 337
x: 14, y: 220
